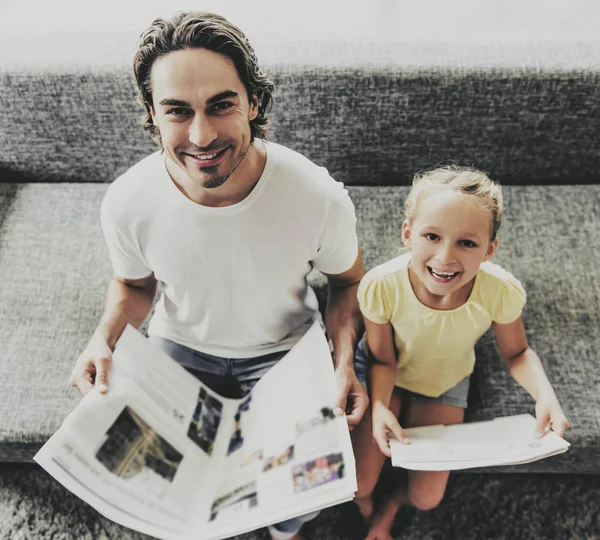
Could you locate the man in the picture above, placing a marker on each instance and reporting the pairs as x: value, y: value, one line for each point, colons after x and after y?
x: 228, y: 223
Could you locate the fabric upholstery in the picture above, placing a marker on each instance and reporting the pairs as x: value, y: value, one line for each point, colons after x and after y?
x: 54, y: 272
x: 55, y: 269
x: 372, y: 113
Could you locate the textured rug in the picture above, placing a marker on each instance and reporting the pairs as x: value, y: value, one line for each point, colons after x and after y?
x: 492, y: 506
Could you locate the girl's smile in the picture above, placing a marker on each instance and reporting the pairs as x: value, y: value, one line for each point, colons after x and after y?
x: 442, y: 277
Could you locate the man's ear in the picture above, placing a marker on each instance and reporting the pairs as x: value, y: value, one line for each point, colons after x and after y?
x: 253, y: 111
x: 406, y: 233
x: 152, y: 114
x: 491, y: 249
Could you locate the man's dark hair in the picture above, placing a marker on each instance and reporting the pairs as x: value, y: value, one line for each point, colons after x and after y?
x: 201, y: 30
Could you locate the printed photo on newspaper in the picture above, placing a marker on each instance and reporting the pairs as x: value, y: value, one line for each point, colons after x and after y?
x: 163, y: 454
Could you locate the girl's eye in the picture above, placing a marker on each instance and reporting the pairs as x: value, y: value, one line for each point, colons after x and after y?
x: 467, y: 243
x: 431, y: 236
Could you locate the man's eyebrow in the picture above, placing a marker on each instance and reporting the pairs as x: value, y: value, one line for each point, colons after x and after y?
x: 174, y: 102
x: 222, y: 95
x: 226, y: 94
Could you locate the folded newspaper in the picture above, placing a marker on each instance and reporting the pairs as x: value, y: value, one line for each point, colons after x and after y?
x: 163, y: 454
x: 508, y: 440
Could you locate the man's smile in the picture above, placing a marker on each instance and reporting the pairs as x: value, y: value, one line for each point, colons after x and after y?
x: 207, y: 159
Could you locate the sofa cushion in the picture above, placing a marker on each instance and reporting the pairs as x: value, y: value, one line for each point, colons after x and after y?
x: 54, y: 270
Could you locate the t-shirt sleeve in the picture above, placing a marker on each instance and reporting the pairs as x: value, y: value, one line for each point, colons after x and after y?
x: 126, y: 257
x: 373, y: 298
x: 510, y: 301
x: 338, y: 242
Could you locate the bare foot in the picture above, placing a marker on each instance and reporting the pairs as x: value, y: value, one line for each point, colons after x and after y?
x: 379, y: 534
x: 382, y: 522
x: 380, y: 529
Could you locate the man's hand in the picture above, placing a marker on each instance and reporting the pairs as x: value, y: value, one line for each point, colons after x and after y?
x: 352, y: 397
x: 128, y: 301
x: 384, y: 423
x: 549, y: 415
x: 91, y: 368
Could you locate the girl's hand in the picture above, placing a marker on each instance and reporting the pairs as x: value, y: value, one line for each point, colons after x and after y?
x: 550, y: 415
x: 384, y: 422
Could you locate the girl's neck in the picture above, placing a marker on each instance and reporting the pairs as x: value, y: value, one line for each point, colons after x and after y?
x: 441, y: 303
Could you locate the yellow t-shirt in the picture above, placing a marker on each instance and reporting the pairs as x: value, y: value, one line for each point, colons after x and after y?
x: 436, y: 349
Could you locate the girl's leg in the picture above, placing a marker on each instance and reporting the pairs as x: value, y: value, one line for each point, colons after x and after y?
x: 425, y: 489
x: 369, y: 459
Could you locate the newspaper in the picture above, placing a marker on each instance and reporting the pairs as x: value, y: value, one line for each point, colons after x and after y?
x: 163, y: 454
x: 508, y: 440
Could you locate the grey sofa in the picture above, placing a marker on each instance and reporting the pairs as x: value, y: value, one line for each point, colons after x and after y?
x: 373, y: 114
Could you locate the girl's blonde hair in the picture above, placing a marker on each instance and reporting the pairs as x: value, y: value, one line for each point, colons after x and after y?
x: 465, y: 180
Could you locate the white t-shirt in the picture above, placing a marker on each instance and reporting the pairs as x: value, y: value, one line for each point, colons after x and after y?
x: 234, y: 277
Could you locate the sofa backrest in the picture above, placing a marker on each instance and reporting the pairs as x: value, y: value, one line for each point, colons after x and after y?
x: 372, y: 113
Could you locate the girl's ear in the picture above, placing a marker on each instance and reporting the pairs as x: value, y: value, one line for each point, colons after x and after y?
x: 406, y: 234
x: 491, y: 249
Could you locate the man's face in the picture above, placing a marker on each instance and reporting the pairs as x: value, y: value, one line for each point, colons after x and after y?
x: 202, y: 111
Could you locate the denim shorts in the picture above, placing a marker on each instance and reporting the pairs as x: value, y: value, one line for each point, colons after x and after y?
x: 228, y: 377
x: 231, y: 378
x: 456, y: 396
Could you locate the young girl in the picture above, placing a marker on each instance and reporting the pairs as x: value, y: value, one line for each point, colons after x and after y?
x: 423, y: 312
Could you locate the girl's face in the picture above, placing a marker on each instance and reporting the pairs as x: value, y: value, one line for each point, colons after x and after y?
x: 449, y: 238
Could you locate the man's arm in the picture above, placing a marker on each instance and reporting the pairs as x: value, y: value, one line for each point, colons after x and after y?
x: 344, y: 324
x: 128, y: 301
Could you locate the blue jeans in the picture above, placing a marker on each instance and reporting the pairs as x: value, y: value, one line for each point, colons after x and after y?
x: 231, y: 378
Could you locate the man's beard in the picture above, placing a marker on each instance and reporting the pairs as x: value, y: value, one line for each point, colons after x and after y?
x: 215, y: 181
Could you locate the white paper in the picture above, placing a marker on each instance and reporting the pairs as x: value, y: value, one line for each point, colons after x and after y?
x: 163, y: 454
x: 508, y: 440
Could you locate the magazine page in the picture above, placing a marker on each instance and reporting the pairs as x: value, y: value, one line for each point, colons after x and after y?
x: 503, y: 441
x: 146, y: 453
x: 288, y: 454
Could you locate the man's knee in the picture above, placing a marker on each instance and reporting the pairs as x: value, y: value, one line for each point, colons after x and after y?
x: 289, y: 528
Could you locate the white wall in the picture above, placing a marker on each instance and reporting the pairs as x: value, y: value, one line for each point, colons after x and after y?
x: 440, y: 20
